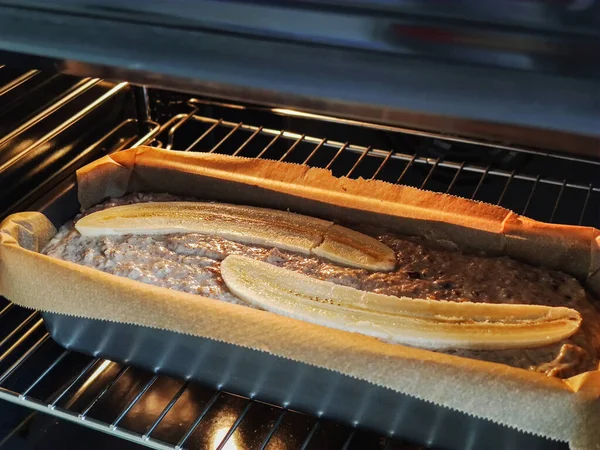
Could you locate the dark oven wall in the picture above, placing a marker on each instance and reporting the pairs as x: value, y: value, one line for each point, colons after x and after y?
x: 52, y: 124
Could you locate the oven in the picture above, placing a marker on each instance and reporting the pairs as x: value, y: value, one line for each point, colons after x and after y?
x: 494, y: 105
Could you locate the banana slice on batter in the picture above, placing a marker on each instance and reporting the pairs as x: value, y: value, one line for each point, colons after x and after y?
x: 349, y: 247
x: 245, y: 224
x: 423, y: 323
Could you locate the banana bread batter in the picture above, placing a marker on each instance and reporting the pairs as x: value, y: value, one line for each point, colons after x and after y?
x: 191, y: 263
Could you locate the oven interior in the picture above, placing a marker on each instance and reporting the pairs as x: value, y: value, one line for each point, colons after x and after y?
x: 51, y: 124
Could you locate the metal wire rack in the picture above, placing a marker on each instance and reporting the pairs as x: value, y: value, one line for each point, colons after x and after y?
x: 50, y: 124
x: 163, y: 413
x: 533, y: 194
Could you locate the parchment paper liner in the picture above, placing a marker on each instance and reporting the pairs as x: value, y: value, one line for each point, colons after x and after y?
x: 566, y: 410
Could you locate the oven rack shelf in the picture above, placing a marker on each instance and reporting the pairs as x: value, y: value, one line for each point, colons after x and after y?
x: 29, y: 341
x: 108, y: 397
x: 218, y: 135
x: 51, y: 124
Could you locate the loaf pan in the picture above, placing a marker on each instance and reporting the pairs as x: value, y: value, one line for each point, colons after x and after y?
x: 345, y: 376
x: 272, y: 379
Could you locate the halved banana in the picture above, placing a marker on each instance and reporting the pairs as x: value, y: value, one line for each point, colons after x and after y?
x: 341, y: 245
x: 246, y: 224
x: 423, y: 323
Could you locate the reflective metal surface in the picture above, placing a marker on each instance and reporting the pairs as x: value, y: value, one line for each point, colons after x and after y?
x: 530, y: 35
x: 51, y: 124
x: 222, y: 420
x: 516, y: 71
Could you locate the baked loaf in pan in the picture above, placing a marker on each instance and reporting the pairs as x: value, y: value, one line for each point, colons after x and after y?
x: 507, y: 395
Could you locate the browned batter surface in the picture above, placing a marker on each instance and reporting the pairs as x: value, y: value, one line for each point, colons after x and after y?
x: 191, y: 263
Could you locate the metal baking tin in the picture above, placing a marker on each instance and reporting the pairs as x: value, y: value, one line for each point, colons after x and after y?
x: 273, y: 379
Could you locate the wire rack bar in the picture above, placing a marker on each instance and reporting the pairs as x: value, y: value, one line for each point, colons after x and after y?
x: 18, y: 329
x: 178, y: 122
x: 72, y: 417
x: 115, y: 131
x: 235, y: 425
x: 320, y: 144
x: 269, y: 145
x: 533, y: 188
x: 336, y: 156
x: 65, y: 125
x: 53, y: 401
x: 165, y: 411
x: 148, y: 138
x: 428, y: 134
x: 382, y: 165
x: 456, y: 175
x: 205, y: 411
x: 22, y: 339
x: 411, y: 158
x: 5, y: 310
x: 483, y: 175
x: 310, y: 435
x: 408, y: 166
x: 75, y: 162
x: 48, y: 369
x: 292, y: 148
x: 348, y: 441
x: 358, y: 161
x: 103, y: 392
x: 81, y: 87
x: 138, y: 396
x: 273, y: 429
x: 19, y: 362
x: 247, y: 141
x: 18, y: 81
x: 430, y: 173
x: 557, y: 202
x: 508, y: 181
x: 233, y: 130
x: 197, y: 141
x: 585, y: 204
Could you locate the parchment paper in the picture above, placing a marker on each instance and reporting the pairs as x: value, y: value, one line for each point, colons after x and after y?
x: 567, y: 410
